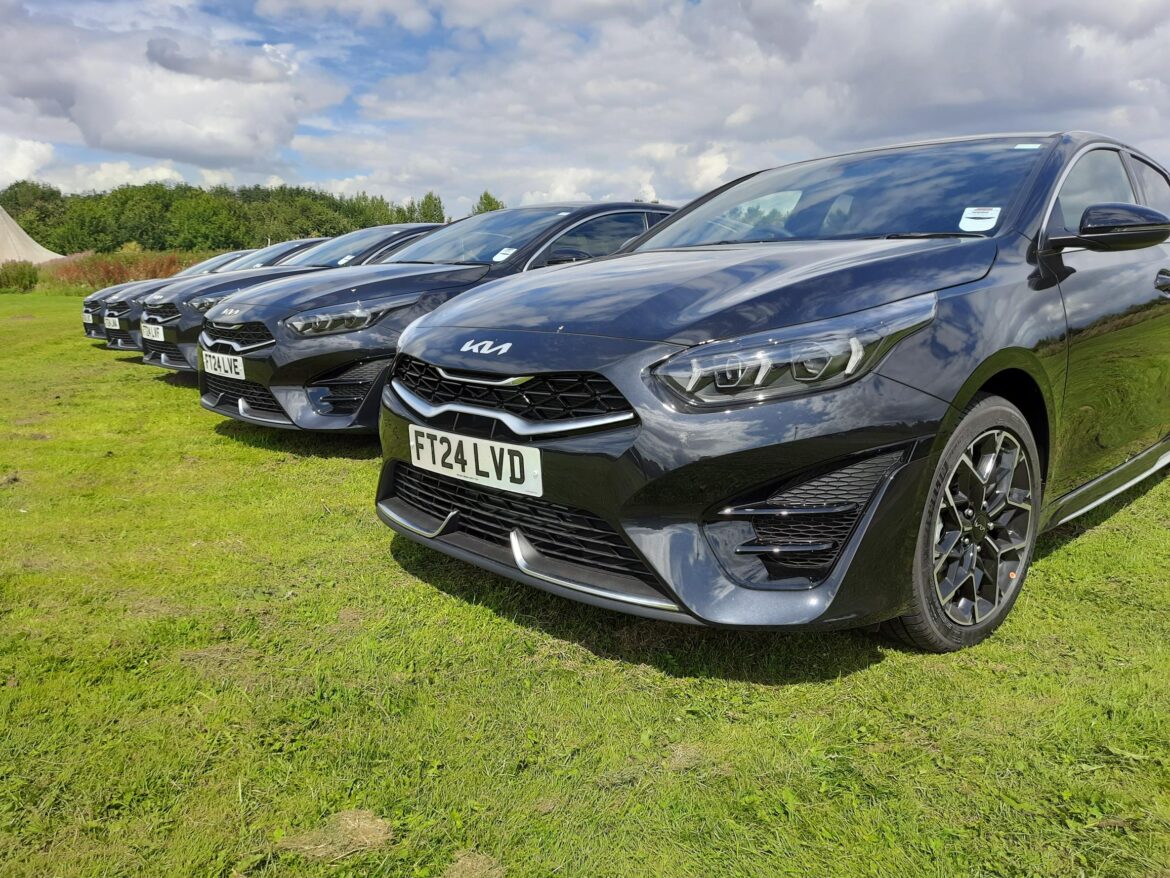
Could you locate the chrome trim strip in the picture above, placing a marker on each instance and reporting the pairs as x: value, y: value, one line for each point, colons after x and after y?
x: 1162, y: 463
x: 452, y: 517
x: 515, y: 423
x: 247, y: 411
x: 523, y: 553
x: 505, y: 382
x: 207, y: 342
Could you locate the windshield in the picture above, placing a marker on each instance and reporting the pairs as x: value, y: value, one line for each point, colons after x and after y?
x: 343, y: 249
x: 483, y: 238
x: 210, y: 265
x: 960, y: 188
x: 265, y: 256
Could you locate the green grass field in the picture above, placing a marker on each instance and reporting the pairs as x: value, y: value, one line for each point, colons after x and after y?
x: 214, y: 660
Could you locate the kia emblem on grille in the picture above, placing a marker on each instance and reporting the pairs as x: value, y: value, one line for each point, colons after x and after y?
x: 486, y: 347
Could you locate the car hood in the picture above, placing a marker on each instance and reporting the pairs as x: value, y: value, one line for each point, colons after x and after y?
x: 105, y: 293
x: 693, y: 295
x: 226, y: 283
x: 139, y: 288
x: 361, y: 283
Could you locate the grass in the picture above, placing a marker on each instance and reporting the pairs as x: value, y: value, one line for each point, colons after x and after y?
x: 214, y: 660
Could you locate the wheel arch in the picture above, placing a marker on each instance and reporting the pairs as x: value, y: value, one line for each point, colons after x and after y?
x: 1017, y: 376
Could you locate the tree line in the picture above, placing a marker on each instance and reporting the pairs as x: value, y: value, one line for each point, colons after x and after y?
x: 164, y: 216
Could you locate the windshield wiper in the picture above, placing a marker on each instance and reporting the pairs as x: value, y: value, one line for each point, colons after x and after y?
x: 409, y: 262
x: 934, y: 235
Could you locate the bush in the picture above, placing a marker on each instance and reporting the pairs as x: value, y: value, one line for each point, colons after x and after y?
x: 18, y: 277
x: 97, y: 270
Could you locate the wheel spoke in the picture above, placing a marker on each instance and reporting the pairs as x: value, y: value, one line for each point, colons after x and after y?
x: 981, y: 528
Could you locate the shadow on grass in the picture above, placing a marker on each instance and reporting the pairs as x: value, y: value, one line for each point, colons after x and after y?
x: 177, y: 379
x: 132, y: 358
x: 1059, y: 537
x: 765, y: 657
x: 300, y: 443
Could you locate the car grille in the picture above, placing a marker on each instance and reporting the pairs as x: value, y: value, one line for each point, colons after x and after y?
x: 815, y: 518
x: 246, y: 334
x: 230, y: 390
x: 119, y: 335
x: 162, y: 312
x: 349, y: 385
x: 118, y: 309
x: 555, y: 396
x: 162, y: 348
x: 555, y: 531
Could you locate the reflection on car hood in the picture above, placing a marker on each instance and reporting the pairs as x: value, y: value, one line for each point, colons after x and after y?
x: 693, y: 295
x: 226, y: 282
x: 363, y: 282
x: 140, y: 288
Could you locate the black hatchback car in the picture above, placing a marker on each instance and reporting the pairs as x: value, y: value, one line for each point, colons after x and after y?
x: 842, y: 392
x: 123, y: 310
x: 93, y: 305
x: 172, y: 317
x: 313, y: 352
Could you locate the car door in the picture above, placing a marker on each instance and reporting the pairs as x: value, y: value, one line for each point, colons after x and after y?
x: 1116, y: 403
x: 596, y: 236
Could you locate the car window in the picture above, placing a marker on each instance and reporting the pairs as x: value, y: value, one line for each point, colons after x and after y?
x: 1098, y: 177
x: 1154, y: 184
x: 599, y: 236
x: 655, y: 217
x: 952, y: 187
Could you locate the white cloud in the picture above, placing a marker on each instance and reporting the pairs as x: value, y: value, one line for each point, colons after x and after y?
x: 155, y: 91
x: 107, y: 175
x: 22, y: 159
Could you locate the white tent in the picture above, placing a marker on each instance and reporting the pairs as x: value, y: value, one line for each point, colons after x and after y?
x: 16, y: 245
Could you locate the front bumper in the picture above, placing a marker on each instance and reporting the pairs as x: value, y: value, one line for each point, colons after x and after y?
x: 327, y: 384
x: 664, y: 486
x: 174, y: 347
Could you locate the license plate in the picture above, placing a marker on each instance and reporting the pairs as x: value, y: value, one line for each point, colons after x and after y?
x: 86, y: 317
x: 223, y: 365
x: 152, y: 331
x: 514, y: 468
x: 113, y: 323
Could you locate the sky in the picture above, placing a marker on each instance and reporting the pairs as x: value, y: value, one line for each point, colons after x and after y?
x: 552, y: 99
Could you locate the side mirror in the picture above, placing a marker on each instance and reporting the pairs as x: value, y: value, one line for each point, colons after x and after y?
x: 1116, y: 227
x: 565, y: 255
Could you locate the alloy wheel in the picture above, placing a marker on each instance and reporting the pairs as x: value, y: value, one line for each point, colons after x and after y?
x: 982, y: 527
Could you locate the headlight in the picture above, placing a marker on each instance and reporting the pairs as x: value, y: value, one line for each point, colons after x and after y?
x: 203, y: 304
x: 793, y: 360
x: 348, y: 317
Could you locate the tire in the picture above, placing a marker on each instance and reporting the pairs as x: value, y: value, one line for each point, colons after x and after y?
x: 978, y: 530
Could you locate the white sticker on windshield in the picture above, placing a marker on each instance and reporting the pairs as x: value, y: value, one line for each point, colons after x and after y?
x: 979, y: 219
x: 1027, y: 146
x: 503, y: 254
x: 345, y: 259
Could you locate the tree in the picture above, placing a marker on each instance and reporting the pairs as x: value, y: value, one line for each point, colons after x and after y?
x: 487, y: 203
x: 430, y: 209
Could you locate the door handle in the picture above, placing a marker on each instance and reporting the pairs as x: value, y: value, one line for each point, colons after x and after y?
x: 1162, y: 281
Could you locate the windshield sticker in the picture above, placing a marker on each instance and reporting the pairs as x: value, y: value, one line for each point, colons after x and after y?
x: 503, y: 254
x: 979, y: 219
x: 345, y: 259
x: 1027, y: 146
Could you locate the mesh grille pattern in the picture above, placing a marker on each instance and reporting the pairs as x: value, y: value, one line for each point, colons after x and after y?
x: 242, y: 333
x: 255, y: 395
x: 360, y: 373
x: 119, y: 335
x: 117, y: 309
x: 164, y: 311
x: 159, y: 348
x: 851, y: 486
x: 553, y: 397
x: 555, y: 531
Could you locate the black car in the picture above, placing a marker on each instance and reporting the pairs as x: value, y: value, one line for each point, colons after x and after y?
x: 123, y: 310
x: 173, y: 317
x: 312, y: 353
x: 842, y: 392
x: 93, y: 306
